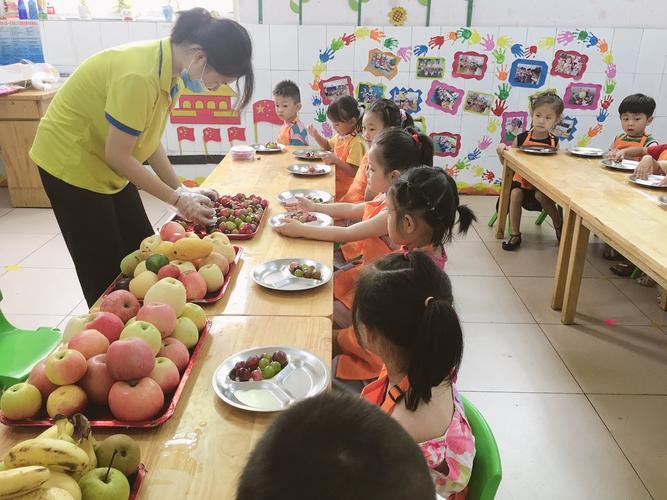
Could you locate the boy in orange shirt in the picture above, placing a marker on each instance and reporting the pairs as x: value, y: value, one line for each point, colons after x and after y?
x: 288, y: 104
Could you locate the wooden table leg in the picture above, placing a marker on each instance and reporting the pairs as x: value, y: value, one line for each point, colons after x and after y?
x: 503, y: 205
x: 562, y: 264
x: 575, y: 270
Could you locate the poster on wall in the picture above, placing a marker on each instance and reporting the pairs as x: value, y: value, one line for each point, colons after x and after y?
x: 20, y: 40
x: 210, y: 108
x: 336, y: 86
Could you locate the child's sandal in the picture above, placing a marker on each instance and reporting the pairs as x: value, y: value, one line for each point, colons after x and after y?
x: 513, y: 243
x: 623, y: 269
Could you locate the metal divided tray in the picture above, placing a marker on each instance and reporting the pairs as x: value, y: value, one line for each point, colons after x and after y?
x: 587, y: 152
x: 311, y: 194
x: 308, y: 154
x: 305, y: 169
x: 538, y: 150
x: 625, y: 165
x: 321, y: 219
x: 651, y: 182
x: 275, y: 275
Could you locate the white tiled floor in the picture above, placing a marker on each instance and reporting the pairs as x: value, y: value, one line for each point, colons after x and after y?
x: 578, y: 411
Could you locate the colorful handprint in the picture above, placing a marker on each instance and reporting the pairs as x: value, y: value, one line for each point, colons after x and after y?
x: 504, y: 42
x: 315, y: 85
x: 610, y: 71
x: 503, y: 92
x: 477, y: 171
x: 608, y: 58
x: 404, y: 53
x: 462, y: 164
x: 436, y: 42
x: 420, y: 50
x: 492, y: 125
x: 609, y: 86
x: 474, y: 154
x: 499, y: 55
x: 565, y: 37
x: 377, y: 34
x: 484, y: 142
x: 390, y: 43
x: 475, y: 38
x: 327, y: 131
x: 606, y: 102
x: 337, y: 44
x: 452, y: 36
x: 602, y: 115
x: 547, y: 42
x: 362, y: 33
x: 348, y: 39
x: 530, y: 51
x: 451, y: 171
x: 327, y: 55
x: 591, y: 40
x: 319, y: 68
x: 320, y: 115
x: 489, y: 176
x: 499, y: 108
x: 517, y: 50
x: 488, y: 43
x: 464, y: 33
x: 501, y: 74
x: 316, y: 100
x: 593, y: 131
x: 583, y: 141
x: 603, y: 46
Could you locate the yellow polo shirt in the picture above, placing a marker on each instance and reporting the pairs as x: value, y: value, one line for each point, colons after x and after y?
x: 129, y: 87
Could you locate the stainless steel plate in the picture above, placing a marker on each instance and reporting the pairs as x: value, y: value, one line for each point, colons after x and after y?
x: 308, y: 154
x: 311, y: 194
x: 663, y: 200
x: 262, y: 148
x: 625, y: 165
x: 651, y: 182
x: 276, y: 276
x: 309, y: 169
x: 322, y: 219
x: 304, y: 376
x: 587, y: 152
x: 538, y: 150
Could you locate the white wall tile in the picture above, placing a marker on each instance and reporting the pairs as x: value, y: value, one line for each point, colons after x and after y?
x: 625, y: 48
x: 263, y: 85
x: 58, y: 43
x: 87, y: 39
x: 163, y: 29
x: 139, y: 31
x: 311, y: 39
x: 647, y: 84
x: 114, y: 33
x: 261, y: 45
x: 652, y: 52
x: 278, y: 76
x: 284, y: 42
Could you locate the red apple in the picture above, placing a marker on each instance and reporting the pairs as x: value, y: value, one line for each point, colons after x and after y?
x: 66, y: 400
x: 107, y: 323
x: 121, y: 303
x: 89, y: 343
x: 39, y: 379
x: 219, y: 259
x: 195, y: 286
x: 130, y: 358
x: 136, y: 400
x: 172, y: 231
x: 162, y: 316
x: 97, y: 381
x: 166, y: 375
x: 168, y: 271
x: 175, y: 350
x: 65, y: 367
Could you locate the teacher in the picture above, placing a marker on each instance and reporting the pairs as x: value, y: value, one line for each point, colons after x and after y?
x: 108, y: 119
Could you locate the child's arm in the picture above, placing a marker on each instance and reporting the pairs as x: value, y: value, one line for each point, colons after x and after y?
x: 636, y: 153
x: 375, y: 227
x: 338, y: 210
x: 341, y: 166
x: 324, y: 144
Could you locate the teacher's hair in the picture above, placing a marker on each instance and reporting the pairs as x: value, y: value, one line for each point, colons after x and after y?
x: 225, y: 42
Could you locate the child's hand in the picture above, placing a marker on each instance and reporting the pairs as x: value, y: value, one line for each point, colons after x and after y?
x: 663, y: 183
x: 290, y: 228
x: 302, y: 203
x: 500, y: 150
x: 645, y: 168
x: 616, y: 154
x: 312, y: 130
x: 329, y: 158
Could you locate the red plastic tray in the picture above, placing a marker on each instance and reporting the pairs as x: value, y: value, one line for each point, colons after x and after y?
x: 101, y: 416
x: 210, y: 297
x: 137, y: 482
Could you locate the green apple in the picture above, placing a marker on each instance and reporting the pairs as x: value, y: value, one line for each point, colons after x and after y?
x: 75, y: 325
x: 128, y: 453
x: 148, y: 245
x: 141, y: 268
x: 186, y: 331
x: 140, y: 284
x: 168, y: 291
x: 21, y: 401
x: 196, y: 314
x: 212, y: 276
x: 130, y: 262
x: 98, y: 485
x: 144, y: 330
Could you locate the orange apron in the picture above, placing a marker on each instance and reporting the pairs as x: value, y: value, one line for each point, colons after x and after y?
x: 355, y: 362
x: 284, y: 134
x: 530, y: 142
x: 621, y: 143
x: 357, y: 190
x: 342, y: 150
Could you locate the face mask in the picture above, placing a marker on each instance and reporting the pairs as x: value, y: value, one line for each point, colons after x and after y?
x: 196, y: 86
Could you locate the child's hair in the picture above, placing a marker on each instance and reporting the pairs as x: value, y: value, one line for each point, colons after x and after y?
x: 335, y: 446
x: 390, y: 114
x: 408, y: 300
x: 344, y: 108
x: 403, y: 148
x: 433, y: 195
x: 549, y: 99
x: 287, y: 88
x: 637, y: 103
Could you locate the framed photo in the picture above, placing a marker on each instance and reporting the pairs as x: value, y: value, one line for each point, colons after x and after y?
x: 420, y: 123
x: 478, y: 102
x: 582, y: 95
x: 430, y: 67
x: 532, y: 97
x: 444, y: 97
x: 469, y: 65
x: 382, y: 64
x: 528, y: 73
x: 368, y: 93
x: 569, y: 64
x: 446, y: 143
x: 336, y: 86
x: 514, y: 123
x: 408, y: 100
x: 565, y: 128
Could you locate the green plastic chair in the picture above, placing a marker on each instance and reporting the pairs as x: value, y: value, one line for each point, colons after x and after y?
x: 487, y: 470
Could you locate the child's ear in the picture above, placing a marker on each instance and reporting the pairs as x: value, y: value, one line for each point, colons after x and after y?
x: 409, y: 224
x: 298, y: 106
x: 395, y: 174
x: 649, y: 121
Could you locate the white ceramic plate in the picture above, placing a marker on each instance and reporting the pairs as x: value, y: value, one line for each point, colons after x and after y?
x: 309, y: 169
x: 275, y: 275
x: 321, y: 219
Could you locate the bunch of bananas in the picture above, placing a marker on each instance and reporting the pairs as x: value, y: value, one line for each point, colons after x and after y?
x: 48, y: 467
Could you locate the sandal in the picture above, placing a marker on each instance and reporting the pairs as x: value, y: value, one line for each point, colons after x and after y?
x: 623, y: 269
x: 513, y: 243
x: 610, y: 254
x: 645, y: 280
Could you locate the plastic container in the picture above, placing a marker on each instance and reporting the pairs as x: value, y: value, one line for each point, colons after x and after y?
x: 242, y: 153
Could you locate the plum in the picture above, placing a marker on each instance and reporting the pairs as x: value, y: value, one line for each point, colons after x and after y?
x: 280, y: 357
x: 252, y: 362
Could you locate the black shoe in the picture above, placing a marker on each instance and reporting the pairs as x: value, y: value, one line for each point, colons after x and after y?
x: 513, y: 242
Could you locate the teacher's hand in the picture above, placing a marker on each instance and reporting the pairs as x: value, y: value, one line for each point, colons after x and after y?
x: 211, y: 194
x: 194, y: 207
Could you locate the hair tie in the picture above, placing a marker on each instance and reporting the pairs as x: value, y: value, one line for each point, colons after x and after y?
x: 415, y: 137
x: 427, y: 301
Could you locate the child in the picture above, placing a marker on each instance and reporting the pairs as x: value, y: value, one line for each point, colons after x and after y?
x: 546, y: 112
x: 636, y: 113
x: 335, y: 446
x: 288, y: 104
x: 347, y: 145
x: 403, y: 312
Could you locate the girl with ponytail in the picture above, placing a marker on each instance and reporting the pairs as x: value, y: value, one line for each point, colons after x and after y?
x: 403, y: 312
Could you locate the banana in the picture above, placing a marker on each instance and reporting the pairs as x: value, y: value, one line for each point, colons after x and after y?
x: 46, y: 494
x: 65, y: 482
x: 55, y: 454
x: 22, y: 480
x: 83, y: 436
x: 59, y: 430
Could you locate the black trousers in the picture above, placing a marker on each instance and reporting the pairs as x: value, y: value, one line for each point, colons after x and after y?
x: 98, y: 229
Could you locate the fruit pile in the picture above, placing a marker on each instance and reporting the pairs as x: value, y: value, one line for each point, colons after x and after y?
x: 304, y: 271
x: 259, y: 368
x: 301, y: 216
x: 315, y: 170
x: 315, y: 199
x: 200, y: 264
x: 65, y: 462
x: 271, y: 145
x: 127, y: 357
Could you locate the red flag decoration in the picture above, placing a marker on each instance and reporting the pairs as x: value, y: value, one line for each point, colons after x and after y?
x: 236, y: 134
x: 185, y: 134
x: 212, y: 135
x: 265, y: 111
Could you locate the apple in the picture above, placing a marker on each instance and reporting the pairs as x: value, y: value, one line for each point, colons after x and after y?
x: 168, y: 271
x: 196, y: 314
x: 130, y: 321
x: 220, y: 237
x: 141, y: 268
x: 66, y: 400
x: 186, y: 331
x: 141, y: 283
x: 89, y: 343
x: 128, y: 453
x: 213, y: 277
x: 130, y: 262
x: 122, y: 303
x: 184, y: 265
x: 195, y: 285
x: 162, y: 316
x: 136, y: 400
x: 166, y: 375
x: 104, y: 484
x: 167, y: 291
x: 172, y: 231
x: 65, y: 367
x: 227, y: 251
x: 75, y: 325
x: 107, y: 323
x: 39, y: 379
x: 219, y: 260
x: 23, y: 401
x: 146, y: 331
x: 97, y: 381
x: 175, y: 350
x: 129, y: 359
x: 149, y: 244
